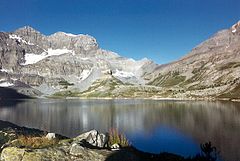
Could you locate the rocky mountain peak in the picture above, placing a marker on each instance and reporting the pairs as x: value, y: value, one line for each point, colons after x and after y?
x: 26, y: 31
x: 30, y: 36
x: 72, y: 41
x: 236, y: 27
x: 70, y: 35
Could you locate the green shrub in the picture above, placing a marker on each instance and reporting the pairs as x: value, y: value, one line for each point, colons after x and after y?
x: 34, y: 142
x: 116, y: 138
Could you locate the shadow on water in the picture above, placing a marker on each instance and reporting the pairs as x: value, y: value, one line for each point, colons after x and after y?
x: 5, y: 124
x: 10, y: 97
x: 208, y: 153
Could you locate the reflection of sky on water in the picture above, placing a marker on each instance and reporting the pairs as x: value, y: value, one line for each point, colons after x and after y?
x: 162, y: 139
x: 174, y: 126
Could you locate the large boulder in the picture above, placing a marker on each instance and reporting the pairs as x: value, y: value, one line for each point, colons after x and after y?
x: 51, y: 136
x: 87, y: 154
x: 93, y: 137
x: 56, y: 153
x: 17, y: 154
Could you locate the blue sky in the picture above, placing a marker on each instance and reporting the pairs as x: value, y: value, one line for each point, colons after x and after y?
x: 162, y: 30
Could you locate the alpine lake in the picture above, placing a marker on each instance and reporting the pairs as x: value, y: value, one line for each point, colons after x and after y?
x: 150, y: 125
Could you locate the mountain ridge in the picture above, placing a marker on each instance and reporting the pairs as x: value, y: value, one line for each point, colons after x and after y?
x: 209, y: 70
x: 44, y: 61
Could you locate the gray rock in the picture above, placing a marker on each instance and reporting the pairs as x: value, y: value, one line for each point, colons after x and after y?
x: 51, y: 136
x: 92, y: 137
x: 53, y: 153
x: 81, y: 66
x: 77, y: 150
x: 210, y: 69
x: 115, y: 147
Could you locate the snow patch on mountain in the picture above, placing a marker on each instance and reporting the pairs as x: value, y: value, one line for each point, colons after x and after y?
x: 85, y: 73
x: 6, y: 84
x: 235, y: 27
x: 84, y: 58
x: 19, y: 39
x: 4, y: 70
x: 31, y: 58
x: 234, y: 30
x: 123, y: 74
x: 69, y: 34
x: 72, y: 35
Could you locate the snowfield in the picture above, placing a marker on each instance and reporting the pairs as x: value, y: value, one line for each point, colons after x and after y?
x: 31, y: 58
x: 234, y: 30
x: 85, y: 73
x: 6, y: 84
x: 123, y: 74
x: 4, y: 70
x: 71, y: 35
x: 16, y: 37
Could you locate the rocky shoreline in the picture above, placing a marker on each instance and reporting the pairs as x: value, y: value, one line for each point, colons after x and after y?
x: 12, y: 94
x: 150, y: 98
x: 26, y: 144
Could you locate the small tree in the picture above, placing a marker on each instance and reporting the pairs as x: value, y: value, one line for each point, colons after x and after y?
x: 209, y: 151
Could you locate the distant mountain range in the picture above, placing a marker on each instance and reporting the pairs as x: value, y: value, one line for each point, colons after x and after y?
x: 67, y: 65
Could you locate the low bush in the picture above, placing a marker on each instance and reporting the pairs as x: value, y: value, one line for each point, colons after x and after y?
x: 34, y: 142
x: 116, y: 138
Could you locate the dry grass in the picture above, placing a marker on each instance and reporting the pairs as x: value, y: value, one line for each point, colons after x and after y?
x: 116, y: 138
x: 34, y: 142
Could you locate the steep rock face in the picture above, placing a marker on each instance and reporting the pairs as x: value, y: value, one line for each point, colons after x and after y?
x: 44, y: 62
x: 64, y: 61
x: 36, y: 43
x: 210, y: 69
x: 11, y: 53
x: 236, y: 28
x: 78, y: 43
x: 32, y: 41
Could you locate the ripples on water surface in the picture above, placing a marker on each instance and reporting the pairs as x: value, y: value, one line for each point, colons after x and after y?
x: 153, y: 126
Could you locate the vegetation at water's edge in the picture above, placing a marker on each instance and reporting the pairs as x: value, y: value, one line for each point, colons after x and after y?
x: 233, y: 94
x: 34, y: 142
x: 36, y: 145
x: 117, y: 138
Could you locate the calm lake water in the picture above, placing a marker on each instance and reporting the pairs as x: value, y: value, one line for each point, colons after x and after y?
x: 154, y: 126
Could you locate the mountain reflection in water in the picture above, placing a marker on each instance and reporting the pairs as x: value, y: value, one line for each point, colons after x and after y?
x: 154, y: 126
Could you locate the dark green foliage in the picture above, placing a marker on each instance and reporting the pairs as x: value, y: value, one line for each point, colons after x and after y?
x: 65, y: 83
